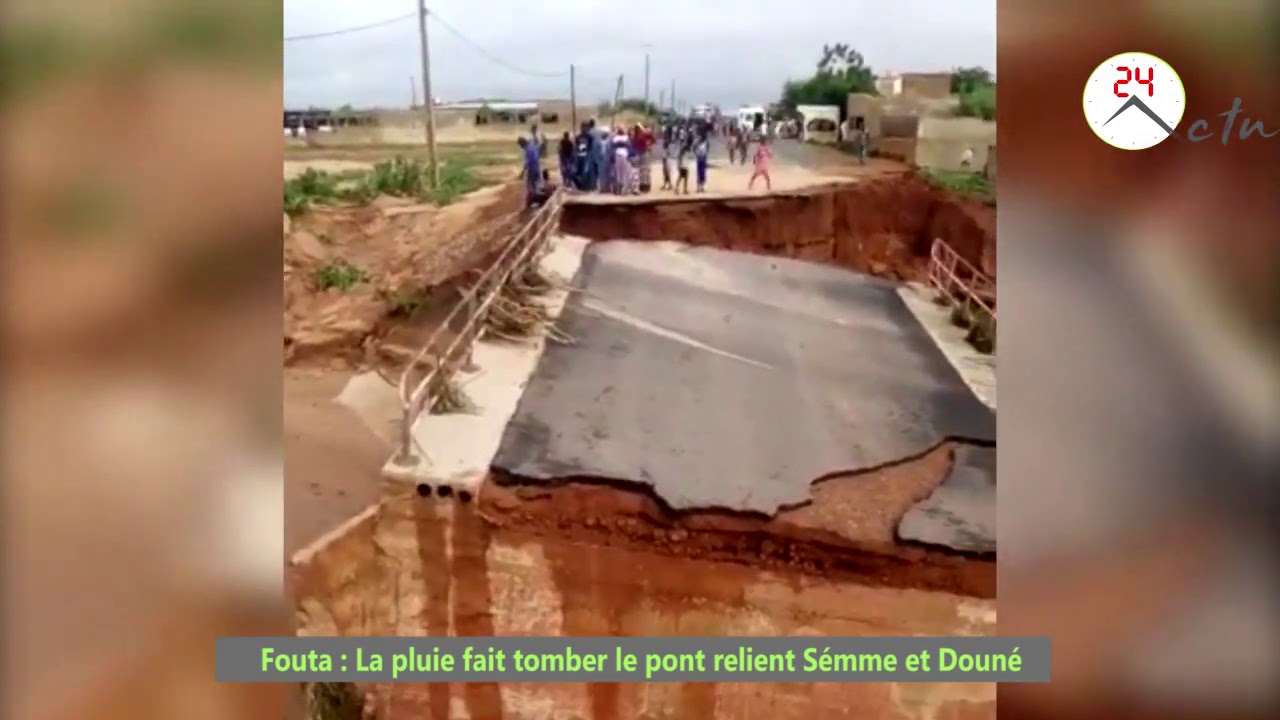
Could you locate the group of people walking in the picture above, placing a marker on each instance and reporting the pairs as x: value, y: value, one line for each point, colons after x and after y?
x: 606, y: 160
x: 684, y: 140
x: 618, y: 161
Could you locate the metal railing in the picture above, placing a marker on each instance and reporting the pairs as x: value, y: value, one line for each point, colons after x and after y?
x: 514, y: 257
x: 959, y: 281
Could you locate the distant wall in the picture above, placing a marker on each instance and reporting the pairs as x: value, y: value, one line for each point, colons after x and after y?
x: 942, y: 141
x: 868, y: 107
x: 889, y: 86
x: 899, y: 126
x: 900, y: 149
x: 927, y: 85
x: 958, y: 128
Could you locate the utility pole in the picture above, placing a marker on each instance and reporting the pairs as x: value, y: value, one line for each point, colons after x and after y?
x: 573, y: 98
x: 673, y: 94
x: 427, y: 102
x: 646, y: 82
x: 617, y: 99
x: 662, y: 98
x: 413, y: 92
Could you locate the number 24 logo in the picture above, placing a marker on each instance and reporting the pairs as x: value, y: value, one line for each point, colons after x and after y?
x: 1135, y: 74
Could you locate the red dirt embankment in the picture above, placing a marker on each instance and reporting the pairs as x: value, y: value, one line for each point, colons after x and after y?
x: 847, y: 531
x: 882, y: 226
x: 408, y: 256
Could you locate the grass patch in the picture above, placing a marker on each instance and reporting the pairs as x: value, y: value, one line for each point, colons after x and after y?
x: 452, y: 399
x: 334, y: 701
x: 517, y: 314
x: 401, y: 176
x: 406, y: 307
x: 309, y: 187
x: 340, y: 275
x: 982, y: 335
x: 456, y: 179
x: 963, y: 182
x: 980, y: 327
x: 477, y: 153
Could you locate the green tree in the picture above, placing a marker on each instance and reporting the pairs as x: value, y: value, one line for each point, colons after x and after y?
x: 967, y: 79
x: 841, y: 70
x: 979, y: 102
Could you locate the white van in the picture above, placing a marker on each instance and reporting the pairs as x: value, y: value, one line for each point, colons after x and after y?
x: 751, y: 118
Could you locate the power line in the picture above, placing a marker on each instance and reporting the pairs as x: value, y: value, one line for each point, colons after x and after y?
x: 494, y: 58
x: 356, y: 28
x: 443, y: 24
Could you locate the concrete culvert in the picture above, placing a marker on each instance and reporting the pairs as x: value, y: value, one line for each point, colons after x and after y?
x: 424, y: 490
x: 444, y: 491
x: 464, y: 496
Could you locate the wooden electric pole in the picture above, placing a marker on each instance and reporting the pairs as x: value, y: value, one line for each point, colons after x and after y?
x: 617, y: 100
x: 673, y: 95
x: 646, y: 83
x: 573, y: 98
x: 428, y: 103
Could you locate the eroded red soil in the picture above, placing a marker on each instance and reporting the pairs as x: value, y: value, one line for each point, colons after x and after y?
x: 414, y: 566
x: 847, y: 530
x: 409, y: 258
x: 882, y: 226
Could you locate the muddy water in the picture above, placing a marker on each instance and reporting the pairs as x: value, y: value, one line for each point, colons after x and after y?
x: 417, y: 567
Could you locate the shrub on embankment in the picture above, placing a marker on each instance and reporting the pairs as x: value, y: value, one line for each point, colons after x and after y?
x: 398, y: 177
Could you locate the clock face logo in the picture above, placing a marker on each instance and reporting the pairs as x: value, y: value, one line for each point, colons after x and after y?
x: 1134, y: 101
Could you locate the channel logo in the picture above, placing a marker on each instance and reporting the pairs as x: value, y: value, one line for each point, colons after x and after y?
x: 1134, y: 101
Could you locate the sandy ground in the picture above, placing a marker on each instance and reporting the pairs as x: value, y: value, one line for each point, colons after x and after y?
x: 403, y: 249
x: 293, y: 168
x: 793, y: 169
x: 446, y: 134
x: 331, y: 457
x: 337, y: 434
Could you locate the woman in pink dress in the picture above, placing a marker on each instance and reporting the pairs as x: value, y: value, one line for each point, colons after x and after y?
x: 764, y: 154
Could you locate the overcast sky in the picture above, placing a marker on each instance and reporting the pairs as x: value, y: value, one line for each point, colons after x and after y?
x: 730, y: 52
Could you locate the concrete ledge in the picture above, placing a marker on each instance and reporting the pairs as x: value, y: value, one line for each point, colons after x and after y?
x: 976, y: 369
x: 459, y: 447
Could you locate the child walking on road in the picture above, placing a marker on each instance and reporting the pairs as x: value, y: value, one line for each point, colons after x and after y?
x: 764, y: 154
x: 682, y: 170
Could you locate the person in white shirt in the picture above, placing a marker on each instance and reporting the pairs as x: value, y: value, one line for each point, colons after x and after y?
x: 621, y: 163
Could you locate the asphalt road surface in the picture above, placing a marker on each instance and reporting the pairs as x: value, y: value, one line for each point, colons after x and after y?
x: 727, y: 380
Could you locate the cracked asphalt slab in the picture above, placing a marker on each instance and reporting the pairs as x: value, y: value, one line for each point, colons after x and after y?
x: 728, y: 380
x: 961, y: 513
